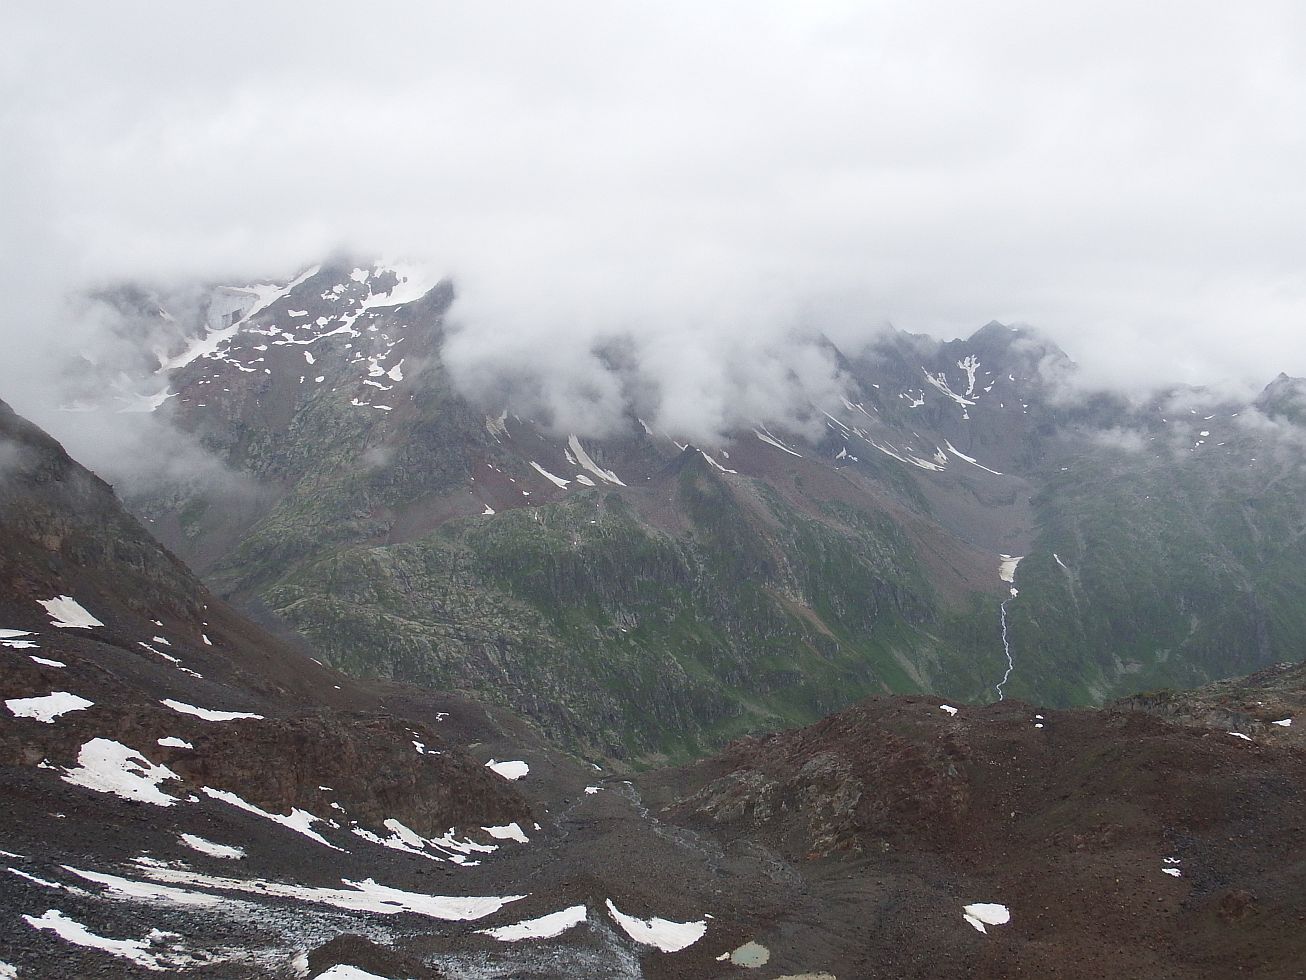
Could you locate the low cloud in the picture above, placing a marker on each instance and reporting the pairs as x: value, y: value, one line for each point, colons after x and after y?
x: 695, y: 380
x: 626, y: 196
x: 1122, y: 439
x: 10, y: 457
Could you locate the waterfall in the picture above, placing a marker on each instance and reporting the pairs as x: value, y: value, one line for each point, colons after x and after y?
x: 1006, y: 648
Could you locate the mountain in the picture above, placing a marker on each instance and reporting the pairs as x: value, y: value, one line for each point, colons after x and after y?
x: 182, y: 792
x: 645, y: 599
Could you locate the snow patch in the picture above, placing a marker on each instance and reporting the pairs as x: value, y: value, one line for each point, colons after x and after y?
x: 1007, y: 567
x: 771, y: 440
x: 948, y: 708
x: 981, y: 914
x: 145, y: 891
x: 544, y: 927
x: 343, y: 971
x: 497, y: 426
x: 664, y: 934
x: 923, y: 464
x: 511, y: 832
x: 409, y: 841
x: 72, y: 931
x: 970, y: 364
x: 66, y: 613
x: 13, y: 640
x: 583, y: 458
x: 172, y: 742
x: 208, y: 714
x: 357, y: 896
x: 940, y: 381
x: 48, y: 707
x: 970, y: 459
x: 107, y: 766
x: 717, y: 465
x: 211, y: 848
x: 557, y: 481
x: 300, y: 821
x: 509, y: 770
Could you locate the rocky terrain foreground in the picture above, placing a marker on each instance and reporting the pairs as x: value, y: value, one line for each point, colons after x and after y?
x: 182, y: 792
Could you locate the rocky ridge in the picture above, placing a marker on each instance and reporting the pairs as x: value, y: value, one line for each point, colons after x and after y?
x: 644, y: 599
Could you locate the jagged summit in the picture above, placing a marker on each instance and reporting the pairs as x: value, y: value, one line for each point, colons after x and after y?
x: 1284, y: 396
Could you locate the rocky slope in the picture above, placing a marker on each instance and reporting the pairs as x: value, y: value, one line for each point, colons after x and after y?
x: 182, y: 793
x: 643, y: 598
x: 1095, y: 843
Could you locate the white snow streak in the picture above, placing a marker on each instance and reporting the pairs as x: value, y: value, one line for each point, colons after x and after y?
x: 940, y: 382
x: 210, y: 848
x: 583, y: 458
x: 557, y: 481
x: 771, y: 440
x: 69, y: 930
x: 970, y: 364
x: 300, y: 821
x: 544, y: 927
x: 208, y: 714
x: 360, y: 896
x: 960, y: 455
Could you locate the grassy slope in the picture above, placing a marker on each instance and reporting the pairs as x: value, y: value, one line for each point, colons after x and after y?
x: 1179, y: 572
x: 623, y: 639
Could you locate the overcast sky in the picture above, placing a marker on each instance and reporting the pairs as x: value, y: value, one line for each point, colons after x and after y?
x: 1126, y: 177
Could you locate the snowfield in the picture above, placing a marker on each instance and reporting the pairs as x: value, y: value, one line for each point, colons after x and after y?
x: 47, y: 707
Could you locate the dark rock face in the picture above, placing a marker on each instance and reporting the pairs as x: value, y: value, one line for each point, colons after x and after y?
x: 1265, y: 703
x: 59, y: 520
x: 163, y: 636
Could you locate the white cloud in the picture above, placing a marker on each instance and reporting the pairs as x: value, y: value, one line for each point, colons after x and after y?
x: 702, y: 178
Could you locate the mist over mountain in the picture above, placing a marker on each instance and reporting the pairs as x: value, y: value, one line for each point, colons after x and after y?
x: 697, y: 181
x: 589, y: 490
